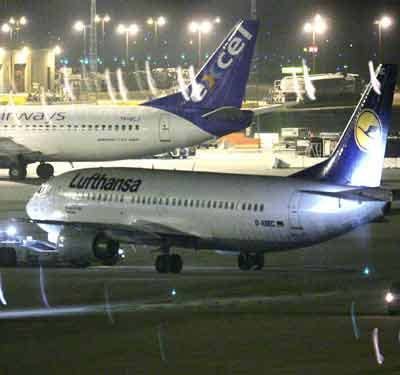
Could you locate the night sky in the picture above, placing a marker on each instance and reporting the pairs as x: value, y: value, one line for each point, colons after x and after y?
x: 351, y: 38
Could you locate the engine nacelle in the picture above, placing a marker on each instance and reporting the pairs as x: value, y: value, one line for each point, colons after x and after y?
x: 81, y: 247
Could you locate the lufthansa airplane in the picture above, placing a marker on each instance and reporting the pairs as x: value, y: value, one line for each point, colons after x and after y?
x: 88, y: 213
x: 209, y: 107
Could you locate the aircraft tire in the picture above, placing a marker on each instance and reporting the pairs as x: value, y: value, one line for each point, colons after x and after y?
x: 176, y: 263
x: 244, y: 262
x: 17, y: 172
x: 163, y: 263
x: 45, y: 171
x: 8, y: 257
x: 259, y: 261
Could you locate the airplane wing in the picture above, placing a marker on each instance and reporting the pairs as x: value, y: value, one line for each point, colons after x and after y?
x: 9, y: 148
x: 139, y: 232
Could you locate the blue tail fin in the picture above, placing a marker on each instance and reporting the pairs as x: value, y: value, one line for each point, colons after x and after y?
x: 222, y: 80
x: 358, y: 157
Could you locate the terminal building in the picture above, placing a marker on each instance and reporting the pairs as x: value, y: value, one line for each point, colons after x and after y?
x: 26, y: 70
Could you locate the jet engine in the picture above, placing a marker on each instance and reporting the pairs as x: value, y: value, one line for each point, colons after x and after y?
x: 81, y: 247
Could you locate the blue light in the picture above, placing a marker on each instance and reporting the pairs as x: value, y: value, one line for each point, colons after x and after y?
x: 366, y: 271
x: 173, y: 292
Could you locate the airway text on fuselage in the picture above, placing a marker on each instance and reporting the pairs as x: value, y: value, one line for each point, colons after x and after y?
x: 103, y: 182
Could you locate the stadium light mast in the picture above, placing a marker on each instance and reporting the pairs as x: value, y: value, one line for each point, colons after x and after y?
x: 93, y: 42
x: 384, y: 23
x: 318, y: 26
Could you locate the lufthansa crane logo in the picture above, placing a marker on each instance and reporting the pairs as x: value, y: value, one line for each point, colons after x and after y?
x: 368, y: 131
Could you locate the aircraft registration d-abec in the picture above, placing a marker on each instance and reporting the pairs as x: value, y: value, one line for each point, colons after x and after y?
x: 88, y: 213
x: 209, y: 107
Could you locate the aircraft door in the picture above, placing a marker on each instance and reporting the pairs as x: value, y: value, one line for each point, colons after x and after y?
x: 295, y: 227
x: 164, y: 128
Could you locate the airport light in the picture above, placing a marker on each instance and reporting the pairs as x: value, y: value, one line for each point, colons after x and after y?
x: 14, y: 24
x: 156, y: 23
x: 57, y: 50
x: 104, y: 20
x: 316, y: 27
x: 80, y: 27
x: 131, y: 30
x: 383, y: 23
x: 200, y: 28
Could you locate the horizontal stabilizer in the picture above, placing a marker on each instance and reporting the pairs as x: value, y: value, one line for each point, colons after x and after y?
x: 229, y: 114
x: 360, y: 195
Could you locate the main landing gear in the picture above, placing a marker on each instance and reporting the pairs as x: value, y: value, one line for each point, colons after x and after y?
x: 45, y: 171
x: 169, y: 263
x: 17, y: 172
x: 250, y: 261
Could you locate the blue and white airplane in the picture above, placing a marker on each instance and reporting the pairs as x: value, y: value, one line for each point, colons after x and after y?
x: 209, y: 107
x: 88, y: 213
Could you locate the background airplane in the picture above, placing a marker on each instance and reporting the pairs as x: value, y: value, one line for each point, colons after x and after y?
x: 209, y: 107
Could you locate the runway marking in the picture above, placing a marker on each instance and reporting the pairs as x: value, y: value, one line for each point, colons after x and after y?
x: 125, y: 307
x: 42, y: 288
x: 2, y: 298
x: 107, y: 305
x: 375, y: 340
x: 356, y: 330
x: 160, y: 336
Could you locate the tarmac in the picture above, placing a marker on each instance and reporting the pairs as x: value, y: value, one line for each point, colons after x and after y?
x: 310, y: 311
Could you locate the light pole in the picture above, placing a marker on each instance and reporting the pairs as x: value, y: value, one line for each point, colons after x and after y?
x: 156, y: 23
x: 384, y: 23
x: 16, y: 25
x: 103, y: 19
x: 127, y: 30
x: 80, y: 27
x: 316, y: 27
x: 200, y: 28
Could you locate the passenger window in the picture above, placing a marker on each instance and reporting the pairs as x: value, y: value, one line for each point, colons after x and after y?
x: 160, y: 201
x: 173, y: 201
x: 214, y: 204
x: 116, y: 128
x: 232, y: 205
x: 185, y: 203
x: 249, y: 207
x: 144, y: 200
x: 130, y: 127
x: 221, y: 204
x: 149, y: 200
x: 256, y: 207
x: 103, y: 127
x: 197, y: 203
x: 123, y: 127
x: 180, y: 202
x: 191, y: 203
x: 261, y: 207
x: 137, y: 127
x: 243, y: 206
x: 99, y: 197
x: 154, y: 200
x: 109, y: 127
x: 166, y: 201
x: 209, y: 204
x: 121, y: 199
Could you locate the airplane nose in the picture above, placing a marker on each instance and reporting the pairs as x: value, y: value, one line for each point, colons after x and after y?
x: 31, y: 208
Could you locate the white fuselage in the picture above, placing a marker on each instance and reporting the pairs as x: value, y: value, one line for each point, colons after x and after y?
x: 96, y: 133
x: 222, y: 211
